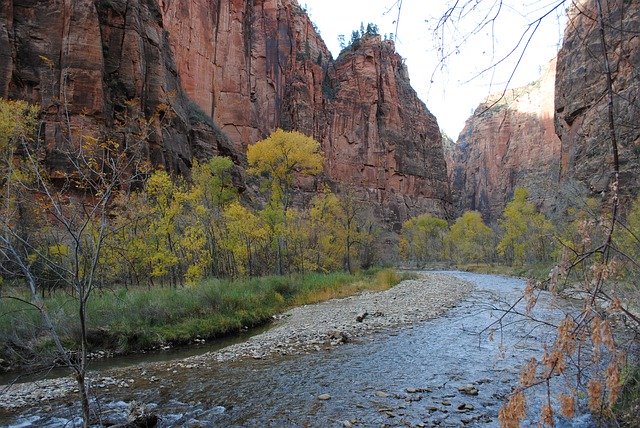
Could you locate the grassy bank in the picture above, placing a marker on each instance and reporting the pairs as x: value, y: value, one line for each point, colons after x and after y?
x: 535, y: 271
x: 130, y: 320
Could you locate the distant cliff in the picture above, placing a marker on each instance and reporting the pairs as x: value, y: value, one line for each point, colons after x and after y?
x: 512, y: 144
x: 509, y: 142
x: 229, y: 72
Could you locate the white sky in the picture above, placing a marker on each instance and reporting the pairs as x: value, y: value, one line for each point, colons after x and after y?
x: 454, y: 93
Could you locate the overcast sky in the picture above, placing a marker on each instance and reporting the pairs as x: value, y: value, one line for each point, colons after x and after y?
x: 454, y: 92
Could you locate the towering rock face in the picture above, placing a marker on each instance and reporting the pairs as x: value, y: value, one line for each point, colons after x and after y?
x: 581, y: 99
x: 266, y: 67
x: 101, y: 62
x: 248, y: 67
x: 381, y: 137
x: 508, y: 143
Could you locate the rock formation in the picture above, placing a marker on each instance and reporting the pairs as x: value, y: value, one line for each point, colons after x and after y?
x: 246, y: 67
x: 101, y: 62
x: 509, y: 142
x: 581, y: 99
x: 382, y: 137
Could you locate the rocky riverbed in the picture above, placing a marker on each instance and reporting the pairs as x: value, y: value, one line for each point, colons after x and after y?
x: 300, y: 330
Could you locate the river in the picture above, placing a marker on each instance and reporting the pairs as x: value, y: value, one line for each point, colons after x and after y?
x: 410, y: 377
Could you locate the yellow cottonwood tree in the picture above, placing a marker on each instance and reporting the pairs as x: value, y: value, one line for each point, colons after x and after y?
x: 325, y: 247
x: 245, y: 231
x: 339, y: 231
x: 282, y: 155
x: 423, y: 238
x: 164, y: 208
x: 278, y: 158
x: 213, y: 191
x: 469, y: 239
x: 527, y: 234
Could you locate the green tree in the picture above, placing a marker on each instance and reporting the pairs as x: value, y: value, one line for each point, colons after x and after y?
x: 469, y: 239
x: 527, y: 234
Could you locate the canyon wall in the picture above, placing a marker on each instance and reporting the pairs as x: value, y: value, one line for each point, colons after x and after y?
x: 582, y: 99
x: 509, y: 142
x: 381, y: 137
x: 228, y: 72
x: 102, y: 64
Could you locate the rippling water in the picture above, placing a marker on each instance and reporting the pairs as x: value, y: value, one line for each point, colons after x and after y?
x: 407, y: 378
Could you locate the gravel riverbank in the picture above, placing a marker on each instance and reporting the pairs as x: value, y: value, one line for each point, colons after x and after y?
x: 299, y: 330
x: 311, y: 327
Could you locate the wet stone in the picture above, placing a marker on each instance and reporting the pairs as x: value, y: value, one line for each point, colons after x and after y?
x: 324, y: 397
x: 465, y: 407
x: 468, y: 389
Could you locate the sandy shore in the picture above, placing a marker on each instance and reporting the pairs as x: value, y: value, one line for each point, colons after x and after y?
x: 299, y: 330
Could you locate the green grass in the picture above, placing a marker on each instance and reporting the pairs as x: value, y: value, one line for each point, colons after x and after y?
x: 131, y: 320
x: 533, y: 271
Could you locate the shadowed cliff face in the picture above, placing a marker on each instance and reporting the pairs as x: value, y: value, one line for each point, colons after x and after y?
x: 251, y: 66
x: 511, y: 144
x: 581, y: 102
x: 101, y: 61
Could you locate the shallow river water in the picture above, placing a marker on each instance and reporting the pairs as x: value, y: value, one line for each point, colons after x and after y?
x: 409, y: 377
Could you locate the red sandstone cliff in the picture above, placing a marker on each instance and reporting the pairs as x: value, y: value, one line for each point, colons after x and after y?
x: 381, y: 137
x: 510, y: 144
x: 251, y: 66
x: 101, y: 61
x: 581, y: 97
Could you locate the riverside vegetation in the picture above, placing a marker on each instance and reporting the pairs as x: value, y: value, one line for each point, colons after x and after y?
x: 128, y: 320
x: 152, y: 258
x: 104, y: 219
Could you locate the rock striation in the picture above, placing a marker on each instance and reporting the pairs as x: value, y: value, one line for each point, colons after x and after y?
x: 102, y: 63
x: 581, y: 99
x: 509, y: 142
x: 381, y: 137
x: 228, y: 72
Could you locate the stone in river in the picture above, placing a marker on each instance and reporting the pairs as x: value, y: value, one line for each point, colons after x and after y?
x: 324, y: 397
x: 468, y: 389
